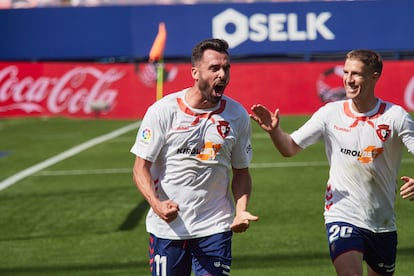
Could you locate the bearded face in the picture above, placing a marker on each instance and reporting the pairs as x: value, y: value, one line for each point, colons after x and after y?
x: 212, y: 74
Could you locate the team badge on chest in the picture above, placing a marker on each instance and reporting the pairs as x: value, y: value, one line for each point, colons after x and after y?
x: 223, y: 128
x: 383, y: 132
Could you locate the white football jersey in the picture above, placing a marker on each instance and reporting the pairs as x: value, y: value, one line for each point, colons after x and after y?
x: 192, y: 152
x: 364, y: 152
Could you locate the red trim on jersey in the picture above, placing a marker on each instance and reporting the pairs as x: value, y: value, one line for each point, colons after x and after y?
x: 367, y: 119
x: 199, y: 116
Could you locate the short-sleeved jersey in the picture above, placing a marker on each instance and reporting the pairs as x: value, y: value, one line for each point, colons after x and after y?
x: 192, y: 152
x: 364, y: 152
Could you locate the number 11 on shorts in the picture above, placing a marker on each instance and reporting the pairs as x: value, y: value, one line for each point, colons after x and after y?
x: 160, y: 265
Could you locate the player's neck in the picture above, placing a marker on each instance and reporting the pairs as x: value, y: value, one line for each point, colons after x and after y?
x: 195, y: 100
x: 365, y: 105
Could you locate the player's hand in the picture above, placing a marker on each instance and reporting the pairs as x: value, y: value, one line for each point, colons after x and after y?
x: 407, y: 189
x: 167, y: 210
x: 242, y: 221
x: 267, y: 120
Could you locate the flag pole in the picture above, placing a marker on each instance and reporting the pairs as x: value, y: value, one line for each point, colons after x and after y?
x: 160, y: 78
x: 157, y: 55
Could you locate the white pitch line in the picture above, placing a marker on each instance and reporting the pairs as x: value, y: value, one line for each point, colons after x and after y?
x: 252, y: 166
x: 288, y: 164
x: 129, y: 170
x: 66, y: 154
x: 85, y: 172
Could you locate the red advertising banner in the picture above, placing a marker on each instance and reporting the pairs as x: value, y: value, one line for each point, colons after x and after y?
x: 115, y: 91
x: 124, y: 91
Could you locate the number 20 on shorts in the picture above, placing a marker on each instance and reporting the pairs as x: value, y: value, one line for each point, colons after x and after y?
x: 338, y: 231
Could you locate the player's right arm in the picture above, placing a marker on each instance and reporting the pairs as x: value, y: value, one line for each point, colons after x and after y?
x: 270, y: 123
x: 166, y: 210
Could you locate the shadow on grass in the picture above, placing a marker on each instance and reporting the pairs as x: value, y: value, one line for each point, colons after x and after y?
x: 240, y: 261
x: 279, y: 259
x: 295, y: 259
x: 87, y: 268
x: 405, y: 251
x: 129, y: 223
x: 245, y: 261
x: 134, y: 217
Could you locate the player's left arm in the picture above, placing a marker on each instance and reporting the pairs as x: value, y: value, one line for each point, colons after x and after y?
x: 405, y: 128
x: 407, y: 189
x: 241, y: 188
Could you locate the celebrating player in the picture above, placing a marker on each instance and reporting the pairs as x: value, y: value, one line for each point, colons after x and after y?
x: 364, y: 138
x: 185, y: 148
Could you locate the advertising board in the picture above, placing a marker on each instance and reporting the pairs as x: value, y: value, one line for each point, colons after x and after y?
x: 252, y: 29
x: 125, y: 91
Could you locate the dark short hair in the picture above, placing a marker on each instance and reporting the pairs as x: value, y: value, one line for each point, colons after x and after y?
x: 371, y: 59
x: 215, y: 44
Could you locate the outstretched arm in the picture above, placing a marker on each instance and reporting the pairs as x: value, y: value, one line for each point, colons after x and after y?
x: 270, y: 123
x: 407, y: 189
x: 241, y: 187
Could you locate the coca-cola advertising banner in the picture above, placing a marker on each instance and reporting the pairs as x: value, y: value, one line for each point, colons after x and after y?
x: 124, y: 91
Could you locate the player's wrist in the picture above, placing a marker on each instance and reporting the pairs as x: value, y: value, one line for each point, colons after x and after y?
x: 274, y: 131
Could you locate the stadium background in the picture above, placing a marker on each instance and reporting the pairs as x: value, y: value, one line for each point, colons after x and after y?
x: 91, y: 57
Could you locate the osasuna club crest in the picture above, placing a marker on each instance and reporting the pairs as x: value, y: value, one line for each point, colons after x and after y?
x: 383, y: 132
x: 223, y: 128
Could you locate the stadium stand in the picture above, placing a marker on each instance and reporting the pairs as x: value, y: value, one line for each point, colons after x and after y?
x: 6, y: 4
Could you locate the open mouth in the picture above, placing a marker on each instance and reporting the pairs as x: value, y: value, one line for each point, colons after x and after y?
x: 219, y: 89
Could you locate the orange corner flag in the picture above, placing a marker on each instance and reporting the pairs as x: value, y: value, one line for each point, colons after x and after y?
x: 157, y: 50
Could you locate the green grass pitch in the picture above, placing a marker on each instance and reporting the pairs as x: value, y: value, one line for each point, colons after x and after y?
x: 84, y: 215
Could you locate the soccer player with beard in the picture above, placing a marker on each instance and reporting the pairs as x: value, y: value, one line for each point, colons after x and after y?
x: 364, y: 139
x: 186, y: 148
